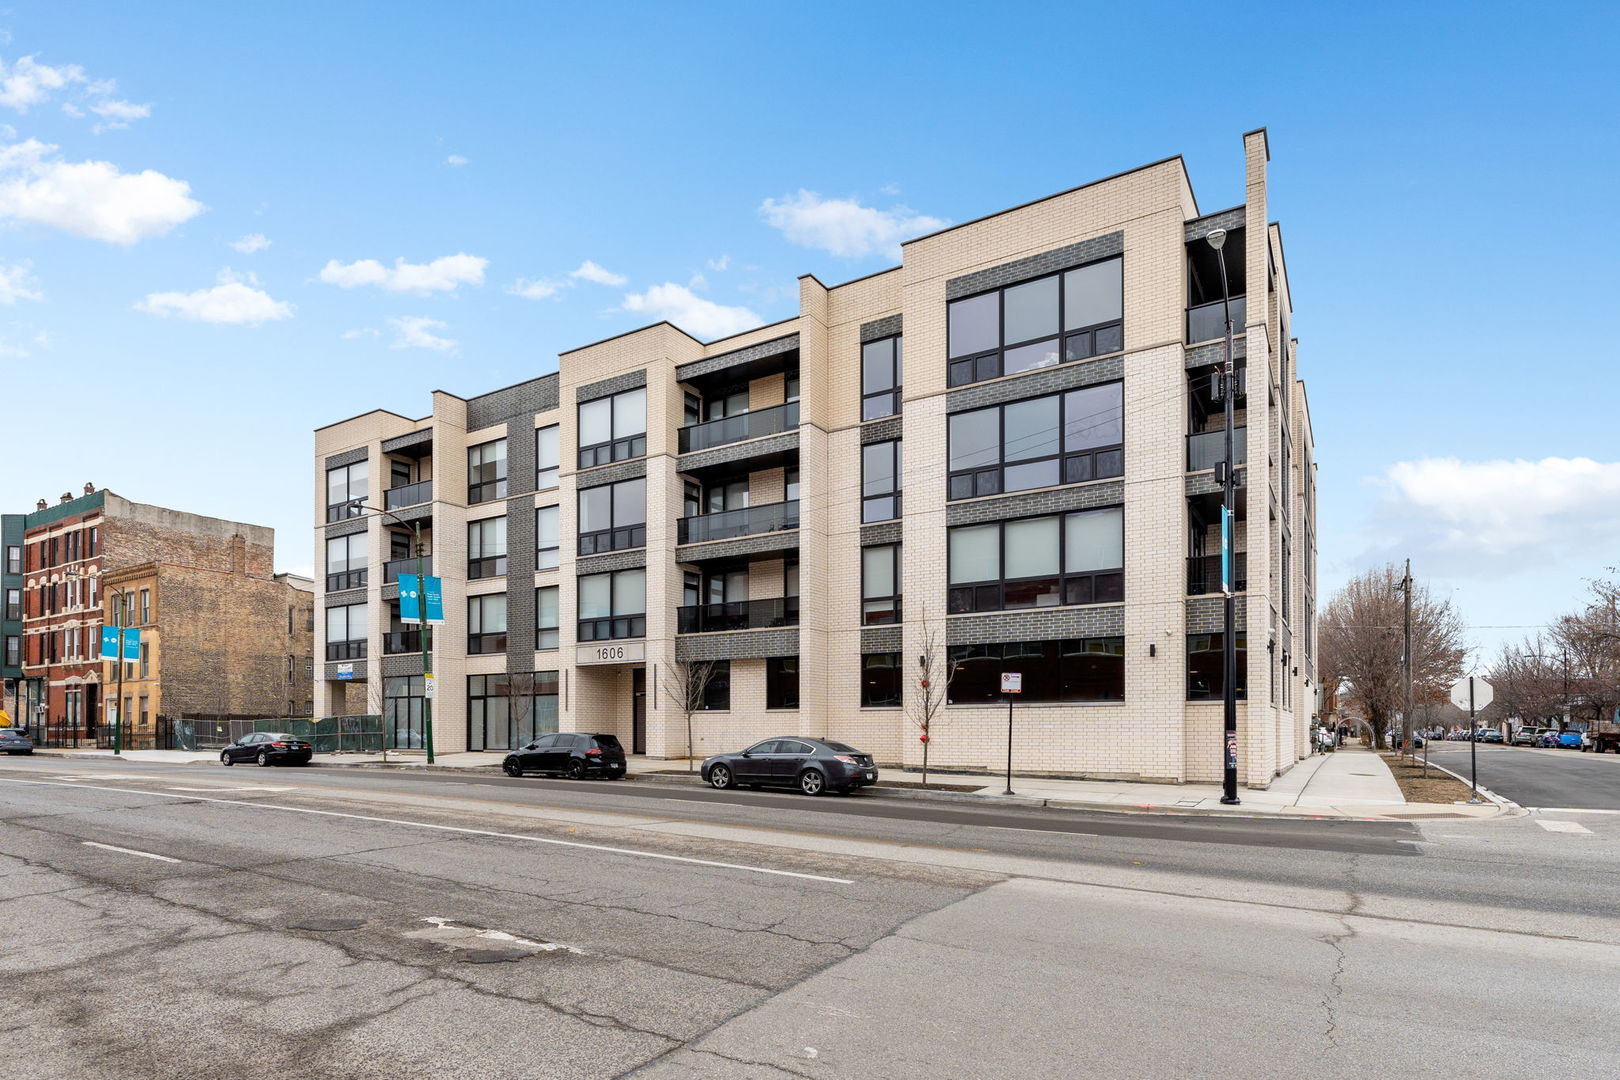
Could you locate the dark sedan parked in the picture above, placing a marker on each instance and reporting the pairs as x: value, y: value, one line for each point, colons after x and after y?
x: 811, y: 765
x: 16, y: 741
x: 572, y: 754
x: 267, y: 748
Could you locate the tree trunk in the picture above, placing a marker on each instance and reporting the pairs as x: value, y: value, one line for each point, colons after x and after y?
x: 688, y: 742
x: 925, y: 761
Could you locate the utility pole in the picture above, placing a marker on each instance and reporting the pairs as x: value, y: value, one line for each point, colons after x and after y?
x: 1406, y: 653
x: 1229, y: 795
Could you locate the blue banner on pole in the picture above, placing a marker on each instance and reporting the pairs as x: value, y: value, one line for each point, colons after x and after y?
x: 410, y: 599
x: 132, y: 644
x: 109, y: 642
x: 1226, y: 550
x: 433, y: 597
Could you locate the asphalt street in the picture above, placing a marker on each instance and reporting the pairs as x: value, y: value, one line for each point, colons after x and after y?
x: 186, y: 921
x: 1539, y: 776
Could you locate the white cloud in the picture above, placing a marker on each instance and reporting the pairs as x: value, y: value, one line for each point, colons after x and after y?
x: 719, y: 264
x: 90, y: 198
x: 112, y: 109
x: 455, y: 161
x: 235, y: 301
x: 17, y: 283
x: 416, y: 332
x: 697, y: 281
x: 251, y: 244
x: 589, y: 271
x: 441, y: 275
x: 28, y: 82
x: 844, y: 227
x: 364, y: 332
x: 890, y: 189
x: 697, y: 316
x: 538, y: 289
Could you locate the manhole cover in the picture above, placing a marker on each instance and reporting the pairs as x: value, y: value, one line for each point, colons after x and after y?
x: 491, y: 956
x: 327, y: 924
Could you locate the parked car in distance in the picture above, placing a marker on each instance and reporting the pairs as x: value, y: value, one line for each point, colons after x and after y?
x: 811, y: 765
x: 1568, y: 740
x: 1548, y: 738
x: 1527, y: 736
x: 16, y: 741
x: 575, y: 755
x: 268, y: 748
x: 1490, y: 735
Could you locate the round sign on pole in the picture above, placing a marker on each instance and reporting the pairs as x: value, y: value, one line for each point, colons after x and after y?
x: 1471, y: 692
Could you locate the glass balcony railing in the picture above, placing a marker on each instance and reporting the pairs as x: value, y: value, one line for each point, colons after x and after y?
x: 749, y: 425
x: 749, y: 521
x: 1206, y: 450
x: 1207, y: 322
x: 396, y: 642
x: 1204, y: 574
x: 395, y: 567
x: 397, y: 498
x: 740, y: 615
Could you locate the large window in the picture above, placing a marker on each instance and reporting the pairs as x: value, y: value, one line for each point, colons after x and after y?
x: 613, y: 428
x: 346, y: 632
x: 880, y: 378
x: 486, y: 472
x: 613, y: 605
x: 1035, y: 324
x: 1074, y: 558
x: 880, y: 481
x: 547, y: 458
x: 613, y: 516
x: 403, y: 699
x: 717, y: 690
x: 547, y: 538
x: 505, y: 711
x: 1206, y: 667
x: 547, y: 618
x: 486, y: 624
x: 486, y: 548
x: 1064, y: 438
x: 880, y: 680
x: 782, y: 682
x: 1074, y: 669
x: 880, y: 584
x: 14, y: 605
x: 14, y: 556
x: 345, y: 491
x: 346, y: 562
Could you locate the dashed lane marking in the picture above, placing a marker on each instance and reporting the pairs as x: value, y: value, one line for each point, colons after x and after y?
x: 128, y: 851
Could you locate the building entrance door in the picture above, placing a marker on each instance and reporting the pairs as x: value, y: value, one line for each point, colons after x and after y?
x: 638, y: 710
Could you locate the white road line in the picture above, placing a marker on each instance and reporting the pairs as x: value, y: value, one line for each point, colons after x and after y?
x: 443, y: 828
x: 241, y: 790
x: 1570, y: 810
x: 128, y: 851
x: 1564, y: 826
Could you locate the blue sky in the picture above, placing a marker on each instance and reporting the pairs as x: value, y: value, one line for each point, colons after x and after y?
x: 1444, y: 175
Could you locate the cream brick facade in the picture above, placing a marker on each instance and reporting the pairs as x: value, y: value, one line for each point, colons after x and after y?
x: 1152, y: 221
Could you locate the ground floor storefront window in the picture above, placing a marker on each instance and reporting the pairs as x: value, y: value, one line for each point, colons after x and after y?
x: 1071, y: 669
x: 507, y: 711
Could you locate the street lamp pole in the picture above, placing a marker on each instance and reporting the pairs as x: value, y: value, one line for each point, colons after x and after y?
x: 426, y: 633
x: 1229, y: 795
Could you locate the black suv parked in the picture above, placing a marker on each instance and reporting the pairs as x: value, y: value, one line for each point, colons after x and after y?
x: 574, y: 755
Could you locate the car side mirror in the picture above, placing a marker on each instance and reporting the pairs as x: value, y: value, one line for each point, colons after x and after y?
x: 747, y: 753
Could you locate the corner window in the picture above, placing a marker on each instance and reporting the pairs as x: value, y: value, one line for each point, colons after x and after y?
x: 613, y: 605
x: 880, y: 584
x: 880, y: 481
x: 345, y: 491
x: 486, y: 624
x: 1051, y: 320
x: 486, y: 472
x: 1072, y: 669
x: 546, y: 458
x: 486, y: 548
x: 547, y: 539
x: 613, y: 516
x: 782, y: 682
x: 547, y: 620
x: 1059, y: 559
x: 613, y: 428
x: 346, y: 632
x: 880, y: 680
x: 1066, y: 438
x: 880, y: 378
x: 1206, y: 667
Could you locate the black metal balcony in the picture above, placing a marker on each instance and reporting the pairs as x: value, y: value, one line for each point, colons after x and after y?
x: 346, y: 579
x: 397, y: 498
x: 1206, y: 450
x: 395, y: 567
x: 397, y: 642
x: 1207, y: 322
x: 741, y: 615
x: 749, y: 521
x: 732, y: 429
x: 1204, y: 574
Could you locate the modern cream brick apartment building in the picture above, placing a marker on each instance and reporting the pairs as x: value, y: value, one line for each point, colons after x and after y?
x: 1009, y: 440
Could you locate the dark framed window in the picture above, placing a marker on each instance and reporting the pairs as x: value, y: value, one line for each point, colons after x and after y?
x: 547, y: 458
x: 345, y: 491
x: 1071, y: 669
x: 486, y: 624
x: 14, y: 556
x: 1206, y: 667
x: 880, y: 378
x: 717, y: 690
x: 486, y: 548
x: 547, y: 537
x: 403, y: 700
x: 613, y: 428
x: 732, y: 401
x: 13, y: 605
x: 486, y: 472
x: 880, y: 584
x: 346, y: 560
x: 1066, y: 438
x: 613, y: 516
x: 880, y: 481
x: 346, y: 632
x: 880, y: 680
x: 547, y: 617
x: 613, y: 605
x: 506, y: 711
x: 1073, y: 315
x: 782, y: 682
x: 1057, y: 559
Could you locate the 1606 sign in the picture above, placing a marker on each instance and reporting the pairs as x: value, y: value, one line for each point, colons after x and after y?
x: 626, y: 652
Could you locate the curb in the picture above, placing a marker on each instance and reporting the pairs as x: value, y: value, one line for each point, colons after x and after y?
x: 1505, y: 805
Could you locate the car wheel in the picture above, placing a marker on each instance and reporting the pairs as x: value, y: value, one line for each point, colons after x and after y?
x: 512, y: 768
x: 576, y: 770
x: 225, y: 758
x: 263, y: 758
x: 720, y: 777
x: 812, y: 782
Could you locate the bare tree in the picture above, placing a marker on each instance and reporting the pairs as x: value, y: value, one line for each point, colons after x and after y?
x: 521, y: 694
x: 1590, y: 640
x: 935, y: 673
x: 685, y: 688
x: 1360, y: 638
x: 1529, y: 679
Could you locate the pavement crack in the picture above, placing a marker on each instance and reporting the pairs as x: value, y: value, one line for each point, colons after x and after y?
x: 1335, y: 988
x: 784, y: 1070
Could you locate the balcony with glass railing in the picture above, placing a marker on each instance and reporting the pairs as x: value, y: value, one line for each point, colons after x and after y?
x: 395, y: 567
x: 734, y: 429
x: 399, y: 642
x: 747, y: 521
x: 1207, y: 322
x: 739, y: 615
x: 1208, y: 449
x: 1204, y: 573
x: 397, y: 498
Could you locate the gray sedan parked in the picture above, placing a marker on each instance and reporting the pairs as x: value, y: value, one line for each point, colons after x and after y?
x: 16, y: 741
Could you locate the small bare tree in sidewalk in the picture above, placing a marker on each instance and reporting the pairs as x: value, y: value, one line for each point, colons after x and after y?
x: 935, y: 673
x: 685, y: 689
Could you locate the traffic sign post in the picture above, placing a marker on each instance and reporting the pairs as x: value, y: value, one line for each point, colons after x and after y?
x: 1012, y: 684
x: 1472, y: 693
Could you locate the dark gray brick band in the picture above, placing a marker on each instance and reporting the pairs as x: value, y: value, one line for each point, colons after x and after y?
x: 524, y: 399
x: 347, y: 527
x: 1053, y: 501
x: 520, y: 454
x: 348, y: 457
x: 611, y: 474
x: 520, y: 559
x: 390, y: 591
x: 738, y: 645
x: 884, y: 532
x: 618, y: 560
x: 1070, y: 376
x: 1198, y: 228
x: 423, y: 512
x: 726, y: 455
x: 888, y: 326
x: 1204, y: 483
x: 881, y: 430
x: 405, y: 442
x: 359, y: 668
x: 738, y: 548
x: 345, y: 598
x: 1035, y: 266
x: 1207, y: 614
x: 608, y: 387
x: 394, y: 667
x: 1215, y: 352
x: 711, y: 364
x: 880, y: 639
x: 1037, y: 624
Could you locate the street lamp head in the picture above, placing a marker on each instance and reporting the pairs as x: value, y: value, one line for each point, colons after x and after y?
x: 1216, y: 238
